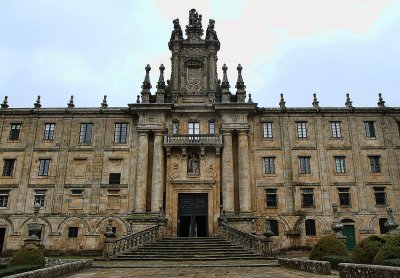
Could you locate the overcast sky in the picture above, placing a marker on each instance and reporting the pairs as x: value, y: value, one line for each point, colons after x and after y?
x: 89, y: 48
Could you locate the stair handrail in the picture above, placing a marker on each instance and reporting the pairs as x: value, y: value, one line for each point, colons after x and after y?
x: 115, y: 247
x: 248, y: 241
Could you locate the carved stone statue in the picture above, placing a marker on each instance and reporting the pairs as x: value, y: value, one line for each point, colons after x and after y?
x: 194, y: 19
x: 192, y: 163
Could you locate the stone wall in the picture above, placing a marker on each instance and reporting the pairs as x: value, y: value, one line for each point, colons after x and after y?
x: 368, y: 271
x: 306, y: 265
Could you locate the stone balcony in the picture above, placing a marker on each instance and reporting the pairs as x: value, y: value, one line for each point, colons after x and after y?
x: 189, y: 140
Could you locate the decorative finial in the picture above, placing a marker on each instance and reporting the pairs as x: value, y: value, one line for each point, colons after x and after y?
x: 161, y: 82
x: 282, y: 103
x: 104, y: 102
x: 4, y: 105
x: 348, y: 103
x: 37, y: 103
x: 315, y: 102
x: 239, y: 83
x: 146, y: 82
x: 225, y: 82
x: 138, y: 99
x: 249, y: 100
x: 71, y: 102
x: 381, y: 102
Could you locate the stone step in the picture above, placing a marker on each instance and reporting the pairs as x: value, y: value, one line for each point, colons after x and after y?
x: 202, y: 258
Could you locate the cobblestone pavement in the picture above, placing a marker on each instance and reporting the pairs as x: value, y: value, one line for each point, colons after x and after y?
x: 194, y: 272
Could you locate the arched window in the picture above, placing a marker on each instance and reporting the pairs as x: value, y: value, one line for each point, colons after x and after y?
x: 274, y: 227
x: 382, y: 227
x: 310, y: 227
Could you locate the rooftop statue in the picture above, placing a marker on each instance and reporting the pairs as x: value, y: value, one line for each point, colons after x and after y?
x: 194, y: 19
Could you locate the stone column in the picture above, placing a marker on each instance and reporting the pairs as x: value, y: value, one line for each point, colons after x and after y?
x: 141, y: 175
x: 158, y: 170
x: 227, y: 173
x: 244, y: 172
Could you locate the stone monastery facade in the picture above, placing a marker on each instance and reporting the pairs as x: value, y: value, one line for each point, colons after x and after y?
x: 191, y: 150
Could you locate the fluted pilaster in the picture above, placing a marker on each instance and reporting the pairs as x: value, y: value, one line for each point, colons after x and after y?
x: 141, y: 175
x: 227, y: 173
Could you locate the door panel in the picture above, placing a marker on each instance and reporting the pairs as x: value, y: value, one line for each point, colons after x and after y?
x: 348, y: 232
x: 192, y: 214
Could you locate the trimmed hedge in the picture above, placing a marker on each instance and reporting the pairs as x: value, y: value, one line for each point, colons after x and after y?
x: 336, y: 260
x: 392, y: 262
x: 28, y: 255
x: 326, y: 246
x: 390, y: 250
x: 366, y: 249
x: 17, y: 269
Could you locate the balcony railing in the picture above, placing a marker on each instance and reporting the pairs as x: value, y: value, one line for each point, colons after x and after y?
x: 193, y: 140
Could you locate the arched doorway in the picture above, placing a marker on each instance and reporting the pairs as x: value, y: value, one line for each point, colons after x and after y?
x: 349, y: 233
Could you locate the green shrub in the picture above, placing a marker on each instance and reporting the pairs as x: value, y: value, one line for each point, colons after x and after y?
x: 392, y: 262
x: 366, y: 249
x: 28, y: 255
x: 336, y: 260
x: 17, y: 269
x: 390, y: 250
x: 326, y: 246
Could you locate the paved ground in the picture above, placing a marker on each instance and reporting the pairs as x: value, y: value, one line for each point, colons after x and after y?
x: 193, y: 271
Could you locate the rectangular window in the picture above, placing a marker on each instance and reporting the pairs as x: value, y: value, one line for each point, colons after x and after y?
x: 267, y: 130
x: 271, y: 198
x: 307, y: 197
x: 120, y: 133
x: 114, y: 178
x: 340, y: 164
x: 211, y: 128
x: 175, y: 128
x: 380, y: 196
x: 301, y: 129
x: 269, y: 165
x: 375, y: 165
x: 305, y: 167
x: 85, y: 133
x: 369, y: 129
x: 49, y: 131
x: 40, y: 197
x: 44, y: 167
x: 336, y: 130
x: 15, y: 131
x: 8, y: 167
x: 310, y: 227
x: 194, y: 128
x: 4, y: 195
x: 73, y: 231
x: 344, y: 196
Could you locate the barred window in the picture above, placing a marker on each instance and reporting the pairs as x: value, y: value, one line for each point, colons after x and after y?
x: 336, y: 129
x: 301, y: 129
x: 374, y: 162
x: 380, y: 196
x: 310, y: 227
x: 305, y: 167
x: 120, y: 133
x: 44, y: 167
x: 271, y: 198
x: 85, y: 134
x: 344, y: 196
x: 340, y: 164
x: 8, y: 167
x: 369, y: 127
x: 39, y: 198
x: 267, y: 130
x: 15, y: 131
x: 49, y: 131
x: 307, y: 197
x: 4, y: 195
x: 269, y: 165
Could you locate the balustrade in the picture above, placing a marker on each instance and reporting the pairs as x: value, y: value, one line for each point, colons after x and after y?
x: 193, y: 139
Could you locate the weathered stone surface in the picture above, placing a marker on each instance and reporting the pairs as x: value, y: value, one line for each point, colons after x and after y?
x: 368, y: 271
x: 306, y: 265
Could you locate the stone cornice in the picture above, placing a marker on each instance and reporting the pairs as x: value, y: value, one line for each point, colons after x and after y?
x: 63, y: 111
x: 322, y: 110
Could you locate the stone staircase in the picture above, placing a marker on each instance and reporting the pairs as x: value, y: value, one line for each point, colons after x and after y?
x: 190, y: 249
